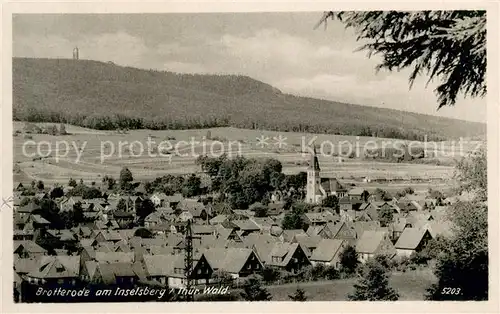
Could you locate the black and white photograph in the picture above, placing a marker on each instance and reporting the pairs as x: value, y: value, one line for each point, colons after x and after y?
x: 323, y: 155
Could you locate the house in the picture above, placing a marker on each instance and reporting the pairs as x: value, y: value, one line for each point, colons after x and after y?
x: 358, y: 195
x: 195, y: 208
x: 237, y: 262
x: 265, y: 224
x: 314, y: 219
x: 227, y: 234
x: 118, y: 273
x: 373, y: 243
x: 114, y: 257
x: 288, y: 235
x: 412, y: 240
x: 246, y: 226
x: 153, y: 219
x: 56, y: 270
x: 160, y: 199
x: 39, y: 222
x: 407, y: 206
x: 202, y: 229
x: 123, y: 218
x: 339, y: 231
x: 439, y: 228
x: 287, y: 256
x: 308, y: 242
x: 108, y: 235
x: 19, y: 187
x: 328, y: 252
x: 396, y: 229
x: 168, y: 270
x: 27, y: 209
x: 219, y: 219
x: 28, y: 249
x: 20, y: 221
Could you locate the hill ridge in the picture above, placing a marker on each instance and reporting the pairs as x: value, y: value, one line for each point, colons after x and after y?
x: 104, y: 95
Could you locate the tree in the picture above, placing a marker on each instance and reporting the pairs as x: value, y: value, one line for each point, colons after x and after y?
x: 192, y: 186
x: 449, y: 46
x: 472, y: 174
x: 56, y: 192
x: 91, y: 192
x: 254, y: 291
x: 299, y: 295
x: 349, y: 260
x: 259, y: 209
x: 62, y: 129
x: 72, y: 182
x: 463, y: 261
x: 40, y: 185
x: 294, y: 219
x: 143, y: 233
x: 382, y: 194
x: 331, y: 201
x: 122, y: 205
x: 145, y: 208
x: 125, y: 178
x: 77, y: 214
x: 373, y: 284
x: 385, y: 215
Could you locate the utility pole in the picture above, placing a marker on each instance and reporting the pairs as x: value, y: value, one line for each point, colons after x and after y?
x: 188, y: 260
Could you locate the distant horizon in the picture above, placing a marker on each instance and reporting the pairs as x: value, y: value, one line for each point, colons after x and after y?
x: 282, y: 49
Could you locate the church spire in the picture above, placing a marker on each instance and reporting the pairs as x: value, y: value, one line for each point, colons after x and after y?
x: 314, y: 164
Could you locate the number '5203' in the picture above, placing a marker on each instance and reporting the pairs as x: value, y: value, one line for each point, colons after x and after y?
x: 453, y: 291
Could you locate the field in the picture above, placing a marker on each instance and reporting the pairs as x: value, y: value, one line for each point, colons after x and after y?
x: 410, y: 285
x: 106, y: 152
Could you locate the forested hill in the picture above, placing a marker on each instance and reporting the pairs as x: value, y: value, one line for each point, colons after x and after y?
x: 106, y: 96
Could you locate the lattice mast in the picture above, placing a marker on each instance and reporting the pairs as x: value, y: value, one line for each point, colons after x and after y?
x: 188, y: 260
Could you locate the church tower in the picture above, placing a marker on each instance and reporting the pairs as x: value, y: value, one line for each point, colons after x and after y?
x: 313, y: 179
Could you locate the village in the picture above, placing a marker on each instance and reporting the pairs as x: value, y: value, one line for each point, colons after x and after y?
x: 136, y: 234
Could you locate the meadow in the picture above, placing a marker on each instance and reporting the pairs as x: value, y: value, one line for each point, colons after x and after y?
x: 101, y: 155
x: 410, y: 285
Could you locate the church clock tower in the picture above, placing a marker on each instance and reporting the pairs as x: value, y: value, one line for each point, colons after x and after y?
x: 313, y: 180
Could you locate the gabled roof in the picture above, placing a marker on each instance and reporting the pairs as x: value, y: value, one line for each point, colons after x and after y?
x: 356, y: 191
x: 29, y: 246
x: 163, y: 265
x: 218, y: 219
x: 28, y: 208
x: 315, y: 217
x: 308, y: 241
x: 39, y: 220
x: 202, y: 229
x: 57, y: 267
x: 410, y: 238
x: 114, y: 257
x: 363, y: 226
x: 331, y: 185
x: 246, y: 224
x: 370, y: 241
x: 314, y: 230
x: 327, y: 249
x: 284, y: 251
x: 288, y: 235
x: 109, y: 271
x: 230, y: 260
x: 25, y: 265
x: 439, y: 228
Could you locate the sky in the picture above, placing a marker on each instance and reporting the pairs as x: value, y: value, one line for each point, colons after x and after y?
x: 281, y: 49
